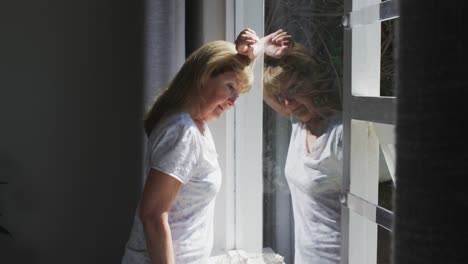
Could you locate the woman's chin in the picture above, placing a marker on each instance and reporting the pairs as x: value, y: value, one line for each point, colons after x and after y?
x: 212, y: 117
x: 302, y: 114
x: 303, y: 119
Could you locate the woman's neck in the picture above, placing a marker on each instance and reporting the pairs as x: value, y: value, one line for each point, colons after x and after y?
x: 200, y: 122
x: 197, y: 119
x: 318, y: 124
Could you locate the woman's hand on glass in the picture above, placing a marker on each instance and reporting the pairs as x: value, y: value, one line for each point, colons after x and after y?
x: 248, y: 43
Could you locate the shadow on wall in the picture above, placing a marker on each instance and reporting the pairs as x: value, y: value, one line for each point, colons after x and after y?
x: 9, y: 172
x: 71, y: 76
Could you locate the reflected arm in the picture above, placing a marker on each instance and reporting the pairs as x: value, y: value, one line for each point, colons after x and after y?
x: 275, y: 45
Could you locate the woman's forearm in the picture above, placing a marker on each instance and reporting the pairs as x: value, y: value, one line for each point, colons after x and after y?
x: 159, y: 240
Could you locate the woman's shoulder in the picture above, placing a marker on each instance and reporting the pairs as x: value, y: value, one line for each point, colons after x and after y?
x: 336, y: 126
x: 336, y: 135
x: 177, y: 123
x: 177, y: 119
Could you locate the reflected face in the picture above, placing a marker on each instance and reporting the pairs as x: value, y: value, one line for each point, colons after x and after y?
x: 219, y: 94
x: 295, y: 99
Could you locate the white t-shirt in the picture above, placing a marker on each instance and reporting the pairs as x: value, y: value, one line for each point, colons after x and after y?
x: 177, y: 148
x: 315, y: 182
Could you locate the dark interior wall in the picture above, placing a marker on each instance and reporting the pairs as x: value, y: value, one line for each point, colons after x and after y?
x: 432, y: 146
x: 193, y: 25
x: 70, y: 137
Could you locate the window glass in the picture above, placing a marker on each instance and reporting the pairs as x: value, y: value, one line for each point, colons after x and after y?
x: 301, y: 162
x: 316, y: 26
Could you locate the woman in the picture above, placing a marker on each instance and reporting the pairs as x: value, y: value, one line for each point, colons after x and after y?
x: 173, y: 222
x: 298, y: 87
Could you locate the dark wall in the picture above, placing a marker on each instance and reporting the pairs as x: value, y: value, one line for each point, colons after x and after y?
x: 70, y: 131
x: 432, y: 142
x: 193, y: 25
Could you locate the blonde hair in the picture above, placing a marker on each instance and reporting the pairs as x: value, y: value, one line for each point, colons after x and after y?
x: 313, y: 76
x: 182, y: 94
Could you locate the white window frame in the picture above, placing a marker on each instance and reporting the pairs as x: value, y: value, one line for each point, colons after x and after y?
x: 368, y: 124
x: 248, y: 141
x: 238, y: 137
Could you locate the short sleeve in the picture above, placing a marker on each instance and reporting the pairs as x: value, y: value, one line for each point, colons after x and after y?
x: 175, y: 151
x: 337, y: 143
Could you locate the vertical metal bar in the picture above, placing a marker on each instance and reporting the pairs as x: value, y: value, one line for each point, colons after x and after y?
x: 347, y: 97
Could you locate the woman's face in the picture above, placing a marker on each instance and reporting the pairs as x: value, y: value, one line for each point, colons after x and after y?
x: 219, y: 94
x: 297, y: 101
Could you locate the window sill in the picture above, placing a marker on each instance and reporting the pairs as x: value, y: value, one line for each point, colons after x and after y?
x: 268, y: 256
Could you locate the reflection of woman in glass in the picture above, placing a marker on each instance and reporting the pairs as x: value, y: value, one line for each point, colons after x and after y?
x: 174, y: 219
x: 300, y: 88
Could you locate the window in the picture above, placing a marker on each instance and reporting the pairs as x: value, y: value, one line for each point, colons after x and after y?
x: 254, y: 208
